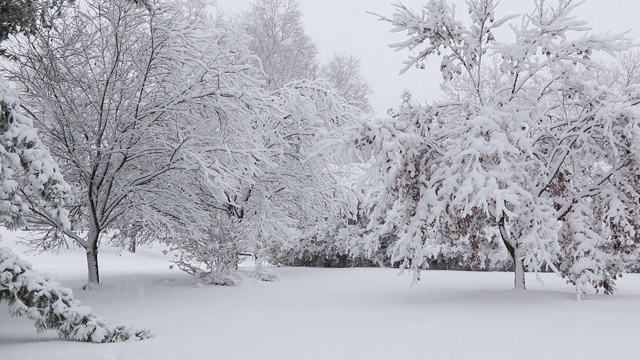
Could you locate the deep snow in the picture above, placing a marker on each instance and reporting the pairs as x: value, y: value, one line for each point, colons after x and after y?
x: 330, y: 314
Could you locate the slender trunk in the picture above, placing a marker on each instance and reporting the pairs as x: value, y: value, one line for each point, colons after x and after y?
x: 519, y: 283
x: 579, y: 293
x: 92, y: 265
x: 92, y: 257
x: 258, y: 261
x: 518, y: 261
x: 132, y: 246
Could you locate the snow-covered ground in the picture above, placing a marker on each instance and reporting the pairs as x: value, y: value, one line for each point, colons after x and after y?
x: 331, y: 314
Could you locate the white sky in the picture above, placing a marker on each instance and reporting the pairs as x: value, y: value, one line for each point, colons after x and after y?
x: 345, y: 26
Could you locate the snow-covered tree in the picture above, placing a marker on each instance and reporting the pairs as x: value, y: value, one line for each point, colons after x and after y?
x: 25, y: 17
x: 343, y: 71
x: 131, y: 102
x: 628, y: 69
x: 30, y: 177
x: 287, y: 53
x: 617, y: 74
x: 527, y: 152
x: 26, y: 167
x: 297, y: 186
x: 28, y: 173
x: 278, y: 38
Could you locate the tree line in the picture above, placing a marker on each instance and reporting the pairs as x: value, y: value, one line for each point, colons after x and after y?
x: 221, y: 134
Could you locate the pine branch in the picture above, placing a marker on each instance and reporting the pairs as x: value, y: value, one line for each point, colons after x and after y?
x: 52, y: 307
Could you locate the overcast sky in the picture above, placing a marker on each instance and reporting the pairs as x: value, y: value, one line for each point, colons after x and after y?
x: 345, y: 26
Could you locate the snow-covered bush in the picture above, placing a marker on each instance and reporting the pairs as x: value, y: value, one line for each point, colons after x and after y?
x: 263, y: 274
x: 52, y: 307
x: 342, y: 243
x: 212, y: 256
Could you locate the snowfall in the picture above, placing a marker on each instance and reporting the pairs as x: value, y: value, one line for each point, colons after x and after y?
x: 328, y: 314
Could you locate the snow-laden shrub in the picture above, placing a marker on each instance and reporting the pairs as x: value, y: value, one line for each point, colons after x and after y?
x: 211, y: 255
x: 341, y: 244
x: 52, y: 307
x: 263, y: 274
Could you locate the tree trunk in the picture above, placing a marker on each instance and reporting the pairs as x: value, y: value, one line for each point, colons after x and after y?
x: 93, y: 278
x: 518, y: 261
x: 258, y: 261
x: 132, y: 246
x: 92, y: 266
x: 519, y: 283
